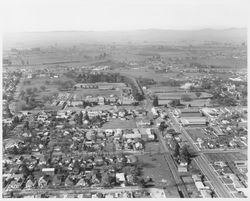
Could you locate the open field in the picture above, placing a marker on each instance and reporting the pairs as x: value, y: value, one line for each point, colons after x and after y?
x: 234, y: 156
x: 117, y: 123
x: 163, y: 178
x: 38, y: 82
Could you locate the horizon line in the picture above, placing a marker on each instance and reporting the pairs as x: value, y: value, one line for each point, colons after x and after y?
x: 143, y: 29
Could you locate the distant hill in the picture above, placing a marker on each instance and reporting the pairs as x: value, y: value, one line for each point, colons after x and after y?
x: 148, y: 36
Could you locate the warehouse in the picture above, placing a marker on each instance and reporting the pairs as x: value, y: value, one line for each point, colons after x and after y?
x: 193, y: 121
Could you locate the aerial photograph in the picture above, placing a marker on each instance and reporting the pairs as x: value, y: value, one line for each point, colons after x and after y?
x: 124, y: 99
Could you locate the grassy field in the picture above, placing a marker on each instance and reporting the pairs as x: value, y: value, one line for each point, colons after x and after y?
x: 157, y: 168
x: 233, y: 156
x: 117, y: 123
x: 38, y: 82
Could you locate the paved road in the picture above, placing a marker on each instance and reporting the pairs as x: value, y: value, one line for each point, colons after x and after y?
x: 80, y: 190
x: 203, y: 164
x: 223, y: 151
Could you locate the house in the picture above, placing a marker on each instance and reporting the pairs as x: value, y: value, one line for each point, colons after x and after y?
x: 29, y: 184
x: 81, y: 183
x: 154, y: 111
x: 237, y: 184
x: 76, y: 103
x: 68, y: 182
x: 131, y: 179
x: 99, y: 161
x: 29, y: 76
x: 206, y: 193
x: 42, y: 183
x: 131, y: 159
x: 196, y: 177
x: 199, y: 185
x: 140, y: 112
x: 183, y: 166
x: 101, y: 100
x: 127, y: 100
x: 144, y: 123
x: 120, y: 177
x: 14, y: 185
x: 56, y: 181
x: 138, y: 146
x: 132, y: 135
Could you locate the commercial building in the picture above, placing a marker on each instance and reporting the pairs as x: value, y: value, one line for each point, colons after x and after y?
x: 193, y: 121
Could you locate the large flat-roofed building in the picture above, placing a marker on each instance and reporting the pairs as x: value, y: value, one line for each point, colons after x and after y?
x: 189, y: 112
x: 193, y: 121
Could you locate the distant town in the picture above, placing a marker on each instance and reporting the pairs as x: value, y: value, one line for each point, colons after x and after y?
x: 125, y: 121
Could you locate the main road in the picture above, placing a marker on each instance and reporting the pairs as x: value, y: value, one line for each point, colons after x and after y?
x: 203, y: 163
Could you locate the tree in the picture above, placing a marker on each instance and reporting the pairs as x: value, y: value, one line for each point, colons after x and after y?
x: 16, y: 120
x: 22, y: 93
x: 198, y: 94
x: 80, y: 118
x: 162, y: 126
x: 176, y: 149
x: 155, y: 101
x: 185, y: 153
x: 43, y: 88
x: 26, y: 125
x: 29, y: 91
x: 186, y: 97
x: 106, y: 180
x: 35, y: 90
x: 47, y: 82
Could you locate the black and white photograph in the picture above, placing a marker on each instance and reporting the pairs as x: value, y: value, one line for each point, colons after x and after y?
x: 124, y: 99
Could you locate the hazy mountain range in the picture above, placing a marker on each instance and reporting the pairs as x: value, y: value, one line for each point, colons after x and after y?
x: 148, y: 36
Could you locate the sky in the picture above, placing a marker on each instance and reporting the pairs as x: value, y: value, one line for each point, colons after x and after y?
x: 108, y: 15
